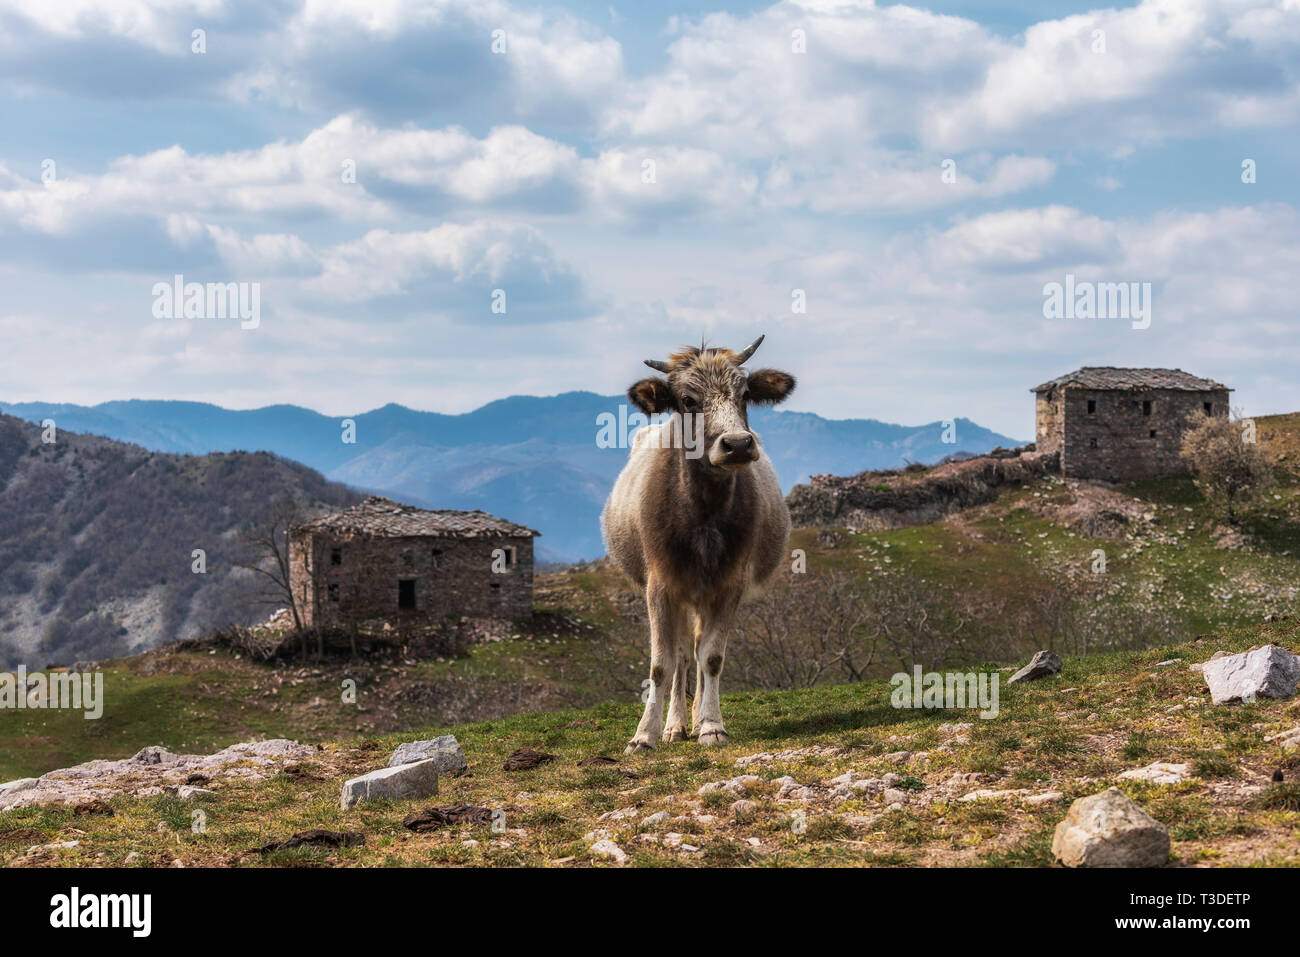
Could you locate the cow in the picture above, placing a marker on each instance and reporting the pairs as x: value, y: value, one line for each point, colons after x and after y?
x: 699, y: 525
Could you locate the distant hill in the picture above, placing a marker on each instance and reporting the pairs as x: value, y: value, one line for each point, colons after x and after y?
x: 96, y: 539
x: 534, y: 460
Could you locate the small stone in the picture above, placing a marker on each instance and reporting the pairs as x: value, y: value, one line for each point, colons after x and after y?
x: 619, y: 814
x: 1286, y: 739
x: 1160, y: 772
x: 655, y: 819
x: 894, y: 796
x: 187, y: 792
x: 404, y: 782
x: 899, y: 757
x: 608, y: 849
x: 1043, y: 663
x: 1109, y: 830
x: 131, y: 858
x: 743, y: 810
x: 1047, y: 797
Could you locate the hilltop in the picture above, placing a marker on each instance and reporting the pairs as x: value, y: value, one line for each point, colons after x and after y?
x: 832, y: 775
x: 97, y: 540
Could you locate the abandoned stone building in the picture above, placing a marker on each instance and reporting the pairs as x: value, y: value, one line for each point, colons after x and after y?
x: 1122, y: 425
x: 384, y: 560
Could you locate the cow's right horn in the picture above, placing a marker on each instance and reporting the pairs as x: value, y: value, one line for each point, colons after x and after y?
x: 656, y: 365
x: 753, y: 346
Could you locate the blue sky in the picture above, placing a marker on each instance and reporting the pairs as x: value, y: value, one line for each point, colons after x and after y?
x: 797, y: 150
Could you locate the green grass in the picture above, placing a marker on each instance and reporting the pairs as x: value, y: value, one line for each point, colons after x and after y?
x: 1043, y: 740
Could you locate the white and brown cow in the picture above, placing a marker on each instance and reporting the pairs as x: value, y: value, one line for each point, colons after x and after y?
x: 700, y: 526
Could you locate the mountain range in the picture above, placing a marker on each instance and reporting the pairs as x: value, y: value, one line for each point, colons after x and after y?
x: 534, y: 460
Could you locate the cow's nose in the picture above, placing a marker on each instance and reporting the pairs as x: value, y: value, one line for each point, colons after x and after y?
x: 737, y: 443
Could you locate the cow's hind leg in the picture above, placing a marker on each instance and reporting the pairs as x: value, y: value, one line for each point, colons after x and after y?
x: 666, y: 643
x: 710, y: 652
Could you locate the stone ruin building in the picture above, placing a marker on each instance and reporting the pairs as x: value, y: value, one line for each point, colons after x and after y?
x: 1122, y: 424
x: 406, y: 565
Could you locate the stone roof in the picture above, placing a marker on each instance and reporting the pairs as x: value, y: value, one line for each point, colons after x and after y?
x: 385, y: 518
x: 1110, y: 377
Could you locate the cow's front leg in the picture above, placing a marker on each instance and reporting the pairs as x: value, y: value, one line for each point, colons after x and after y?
x: 711, y: 651
x: 678, y: 717
x: 664, y: 648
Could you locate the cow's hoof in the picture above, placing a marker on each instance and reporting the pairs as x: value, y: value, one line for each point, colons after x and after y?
x: 638, y: 747
x: 714, y: 737
x: 677, y: 734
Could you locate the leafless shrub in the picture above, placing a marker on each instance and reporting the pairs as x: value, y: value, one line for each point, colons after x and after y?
x: 1230, y: 471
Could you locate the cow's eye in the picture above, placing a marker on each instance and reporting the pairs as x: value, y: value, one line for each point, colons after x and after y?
x: 688, y: 402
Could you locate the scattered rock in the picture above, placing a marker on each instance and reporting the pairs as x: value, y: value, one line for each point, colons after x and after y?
x: 150, y: 771
x: 1286, y: 739
x: 899, y: 757
x: 1047, y: 797
x: 993, y: 794
x: 1109, y: 830
x: 743, y: 810
x: 608, y: 849
x: 526, y: 758
x: 444, y: 749
x: 1043, y: 663
x: 795, y: 754
x: 1267, y: 672
x: 187, y: 793
x: 406, y: 781
x: 619, y: 814
x: 1160, y: 772
x: 655, y: 819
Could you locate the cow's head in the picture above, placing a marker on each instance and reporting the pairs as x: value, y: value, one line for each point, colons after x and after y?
x: 710, y: 386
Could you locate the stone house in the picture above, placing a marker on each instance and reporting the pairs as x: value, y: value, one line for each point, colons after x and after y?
x: 1122, y: 424
x: 384, y: 560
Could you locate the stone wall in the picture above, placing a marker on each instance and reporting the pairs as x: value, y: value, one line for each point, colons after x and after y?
x: 1121, y: 435
x: 338, y: 580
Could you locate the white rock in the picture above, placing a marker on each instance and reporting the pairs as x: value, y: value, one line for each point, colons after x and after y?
x: 187, y: 792
x: 655, y: 819
x: 444, y: 749
x: 992, y: 794
x: 1267, y: 672
x: 608, y: 849
x: 619, y: 814
x: 404, y: 782
x: 1160, y: 772
x: 1109, y: 830
x: 1047, y: 797
x: 1287, y: 739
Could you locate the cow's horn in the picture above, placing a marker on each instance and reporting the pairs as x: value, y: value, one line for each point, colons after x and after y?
x: 753, y: 346
x: 657, y: 365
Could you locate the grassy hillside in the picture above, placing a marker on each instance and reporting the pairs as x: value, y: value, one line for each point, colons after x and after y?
x: 1071, y: 734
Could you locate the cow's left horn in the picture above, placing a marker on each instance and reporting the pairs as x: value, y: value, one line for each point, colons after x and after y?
x: 753, y: 346
x: 656, y: 365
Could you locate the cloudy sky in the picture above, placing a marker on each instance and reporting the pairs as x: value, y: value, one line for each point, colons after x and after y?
x: 632, y: 177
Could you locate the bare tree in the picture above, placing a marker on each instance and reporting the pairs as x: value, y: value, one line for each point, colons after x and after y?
x: 268, y: 540
x: 1229, y: 467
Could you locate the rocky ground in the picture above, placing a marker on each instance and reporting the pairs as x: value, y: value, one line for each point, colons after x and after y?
x: 834, y: 776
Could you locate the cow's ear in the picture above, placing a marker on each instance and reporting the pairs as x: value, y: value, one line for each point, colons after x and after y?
x: 769, y: 386
x: 651, y: 395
